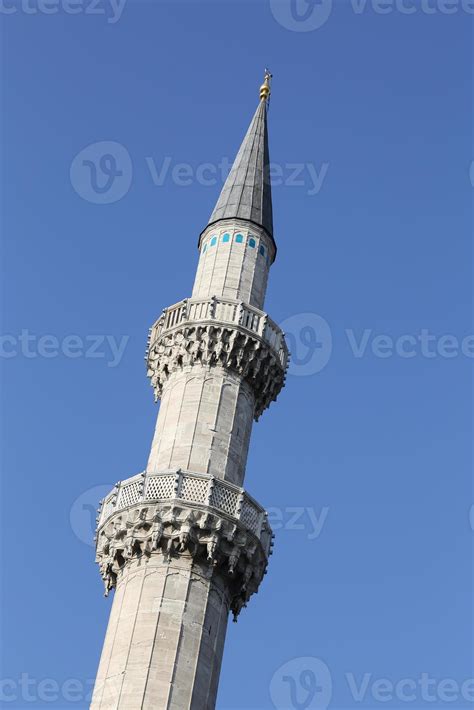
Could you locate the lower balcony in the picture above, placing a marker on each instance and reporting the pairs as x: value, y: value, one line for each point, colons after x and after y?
x: 196, y: 489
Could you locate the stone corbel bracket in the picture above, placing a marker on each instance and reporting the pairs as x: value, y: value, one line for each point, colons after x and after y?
x: 221, y: 344
x: 173, y: 529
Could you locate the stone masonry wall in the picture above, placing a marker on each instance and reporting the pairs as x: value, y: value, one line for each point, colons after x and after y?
x: 204, y: 424
x: 165, y: 638
x: 232, y: 268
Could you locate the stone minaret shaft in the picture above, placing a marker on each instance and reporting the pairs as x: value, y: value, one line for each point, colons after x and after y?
x: 182, y: 543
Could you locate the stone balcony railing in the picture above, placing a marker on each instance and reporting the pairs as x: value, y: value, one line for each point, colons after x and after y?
x: 198, y: 489
x: 226, y: 311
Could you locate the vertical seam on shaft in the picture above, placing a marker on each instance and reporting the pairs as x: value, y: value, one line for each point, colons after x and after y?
x: 158, y: 616
x: 113, y: 644
x: 131, y: 639
x: 186, y: 382
x: 196, y: 420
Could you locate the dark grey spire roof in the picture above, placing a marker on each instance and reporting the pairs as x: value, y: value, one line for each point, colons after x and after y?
x: 247, y: 192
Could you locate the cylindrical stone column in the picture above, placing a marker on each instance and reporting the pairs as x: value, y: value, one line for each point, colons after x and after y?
x: 204, y: 424
x: 165, y: 639
x: 234, y: 262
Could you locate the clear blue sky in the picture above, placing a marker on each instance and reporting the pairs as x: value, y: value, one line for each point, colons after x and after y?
x: 381, y: 444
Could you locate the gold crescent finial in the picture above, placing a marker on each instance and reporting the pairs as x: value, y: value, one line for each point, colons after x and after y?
x: 265, y: 89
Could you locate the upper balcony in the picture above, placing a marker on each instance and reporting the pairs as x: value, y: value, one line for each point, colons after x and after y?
x: 226, y: 312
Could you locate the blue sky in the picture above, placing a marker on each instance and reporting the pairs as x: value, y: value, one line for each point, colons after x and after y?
x: 375, y: 99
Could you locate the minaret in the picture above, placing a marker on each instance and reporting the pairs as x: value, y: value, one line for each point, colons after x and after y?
x: 183, y: 543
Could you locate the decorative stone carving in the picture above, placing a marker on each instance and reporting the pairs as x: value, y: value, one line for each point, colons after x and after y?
x: 173, y: 529
x: 217, y: 344
x: 215, y: 496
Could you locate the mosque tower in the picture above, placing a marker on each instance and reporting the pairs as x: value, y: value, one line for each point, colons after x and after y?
x: 183, y: 543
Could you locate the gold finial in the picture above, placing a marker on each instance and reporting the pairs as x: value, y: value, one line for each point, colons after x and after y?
x: 265, y: 90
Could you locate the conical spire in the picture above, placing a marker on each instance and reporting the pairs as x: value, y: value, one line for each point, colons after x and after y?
x: 247, y: 192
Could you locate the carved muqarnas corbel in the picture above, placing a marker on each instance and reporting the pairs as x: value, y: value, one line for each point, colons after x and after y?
x: 248, y: 356
x: 173, y: 530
